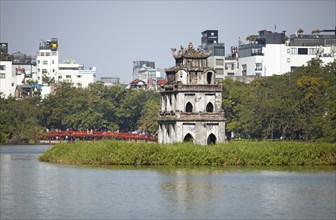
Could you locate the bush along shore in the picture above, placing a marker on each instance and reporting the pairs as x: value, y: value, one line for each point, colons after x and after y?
x: 239, y: 153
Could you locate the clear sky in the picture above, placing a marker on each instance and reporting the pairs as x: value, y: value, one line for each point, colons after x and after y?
x: 112, y: 34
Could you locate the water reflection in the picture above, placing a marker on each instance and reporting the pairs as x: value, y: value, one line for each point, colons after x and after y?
x: 34, y: 190
x: 188, y: 190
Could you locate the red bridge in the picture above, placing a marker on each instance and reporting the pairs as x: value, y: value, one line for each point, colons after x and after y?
x: 71, y: 136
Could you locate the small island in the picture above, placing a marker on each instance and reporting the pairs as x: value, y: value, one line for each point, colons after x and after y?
x: 234, y: 153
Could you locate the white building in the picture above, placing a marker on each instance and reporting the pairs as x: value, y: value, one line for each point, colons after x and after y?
x: 72, y: 72
x: 270, y: 53
x: 7, y: 80
x: 47, y: 60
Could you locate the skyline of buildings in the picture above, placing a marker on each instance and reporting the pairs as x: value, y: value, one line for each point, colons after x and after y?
x: 265, y: 54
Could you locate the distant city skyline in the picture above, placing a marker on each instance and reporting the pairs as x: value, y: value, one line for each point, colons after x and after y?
x: 112, y: 34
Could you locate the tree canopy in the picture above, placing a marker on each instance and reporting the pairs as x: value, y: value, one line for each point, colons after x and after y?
x: 300, y: 105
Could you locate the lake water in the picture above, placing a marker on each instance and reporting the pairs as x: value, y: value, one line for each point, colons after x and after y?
x: 35, y: 190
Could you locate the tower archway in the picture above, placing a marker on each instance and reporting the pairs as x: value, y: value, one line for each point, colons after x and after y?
x: 188, y: 138
x: 211, y: 139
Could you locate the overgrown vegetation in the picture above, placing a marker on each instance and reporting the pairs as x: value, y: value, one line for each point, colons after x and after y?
x: 98, y: 107
x: 240, y: 153
x: 299, y: 105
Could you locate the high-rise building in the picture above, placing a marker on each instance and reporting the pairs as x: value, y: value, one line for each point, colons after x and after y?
x: 47, y: 60
x: 209, y: 40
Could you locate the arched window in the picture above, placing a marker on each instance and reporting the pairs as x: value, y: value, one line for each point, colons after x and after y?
x: 189, y: 107
x: 209, y: 107
x: 212, y: 139
x: 188, y: 138
x: 209, y: 77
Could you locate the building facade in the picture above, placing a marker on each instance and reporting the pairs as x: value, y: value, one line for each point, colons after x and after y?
x: 272, y: 54
x: 47, y: 60
x: 191, y: 101
x: 7, y: 80
x: 209, y: 42
x: 139, y: 66
x: 72, y: 72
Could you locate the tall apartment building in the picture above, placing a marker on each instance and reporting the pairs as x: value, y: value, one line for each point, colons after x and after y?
x: 47, y: 60
x: 209, y: 42
x: 48, y: 65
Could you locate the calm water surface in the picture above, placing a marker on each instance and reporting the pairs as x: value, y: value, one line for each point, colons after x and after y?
x: 35, y: 190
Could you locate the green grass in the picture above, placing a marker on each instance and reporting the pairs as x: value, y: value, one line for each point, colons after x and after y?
x: 240, y: 153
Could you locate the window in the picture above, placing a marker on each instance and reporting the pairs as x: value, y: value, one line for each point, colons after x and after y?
x: 60, y: 77
x: 220, y: 62
x: 312, y: 51
x: 44, y: 71
x: 244, y: 69
x: 2, y: 76
x: 79, y: 76
x: 53, y: 62
x: 294, y: 51
x: 288, y: 50
x: 68, y: 76
x: 219, y: 71
x: 45, y: 62
x: 189, y: 107
x: 209, y: 107
x: 2, y: 67
x: 42, y: 53
x: 258, y: 67
x: 39, y: 61
x: 209, y: 77
x: 288, y: 60
x: 230, y: 74
x: 47, y: 54
x: 302, y: 51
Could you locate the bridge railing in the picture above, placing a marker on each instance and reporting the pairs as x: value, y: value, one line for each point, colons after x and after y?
x: 71, y: 135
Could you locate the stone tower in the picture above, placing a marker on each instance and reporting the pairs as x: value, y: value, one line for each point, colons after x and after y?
x: 191, y: 101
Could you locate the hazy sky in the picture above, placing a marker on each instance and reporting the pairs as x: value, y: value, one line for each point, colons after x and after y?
x: 112, y: 34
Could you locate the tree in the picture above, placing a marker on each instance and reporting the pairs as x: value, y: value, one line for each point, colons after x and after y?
x: 149, y: 115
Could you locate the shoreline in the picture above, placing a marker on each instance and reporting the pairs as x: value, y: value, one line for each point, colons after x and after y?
x: 240, y: 153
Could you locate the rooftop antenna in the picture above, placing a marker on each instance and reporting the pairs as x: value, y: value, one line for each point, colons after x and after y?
x: 274, y: 27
